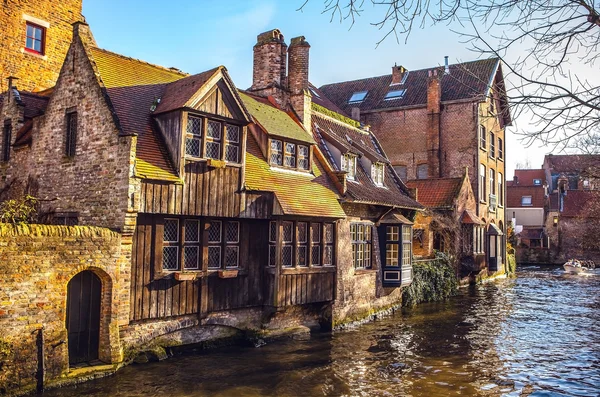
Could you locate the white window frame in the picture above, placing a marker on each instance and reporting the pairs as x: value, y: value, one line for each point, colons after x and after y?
x: 378, y: 173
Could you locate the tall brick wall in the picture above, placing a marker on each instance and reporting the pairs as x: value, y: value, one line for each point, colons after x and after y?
x: 35, y: 72
x: 96, y: 181
x: 36, y: 264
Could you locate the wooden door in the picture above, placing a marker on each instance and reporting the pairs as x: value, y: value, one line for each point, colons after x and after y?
x: 83, y: 317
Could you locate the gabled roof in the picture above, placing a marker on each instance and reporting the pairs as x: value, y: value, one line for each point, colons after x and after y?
x: 437, y: 193
x: 273, y: 120
x: 526, y: 177
x: 297, y: 193
x: 514, y: 195
x: 178, y: 93
x: 364, y: 189
x: 571, y: 162
x: 465, y: 81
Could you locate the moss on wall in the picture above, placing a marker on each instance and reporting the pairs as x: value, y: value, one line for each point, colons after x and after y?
x: 433, y: 280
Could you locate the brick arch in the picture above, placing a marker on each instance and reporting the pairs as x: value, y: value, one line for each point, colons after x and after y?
x: 108, y: 341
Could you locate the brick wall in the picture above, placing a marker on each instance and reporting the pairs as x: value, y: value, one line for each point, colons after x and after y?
x: 36, y: 264
x: 35, y: 72
x: 95, y: 182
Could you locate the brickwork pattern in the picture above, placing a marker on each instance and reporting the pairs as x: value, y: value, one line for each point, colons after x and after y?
x: 36, y: 264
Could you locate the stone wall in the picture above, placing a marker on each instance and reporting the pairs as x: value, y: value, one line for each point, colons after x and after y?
x: 35, y: 72
x: 36, y: 264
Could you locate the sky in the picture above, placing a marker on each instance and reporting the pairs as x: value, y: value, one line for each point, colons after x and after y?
x: 197, y: 35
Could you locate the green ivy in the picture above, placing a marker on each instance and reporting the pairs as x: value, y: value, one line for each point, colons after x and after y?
x: 18, y: 211
x: 332, y: 114
x: 433, y: 281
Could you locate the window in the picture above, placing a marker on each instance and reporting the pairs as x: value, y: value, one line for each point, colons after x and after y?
x: 348, y: 164
x: 492, y: 145
x: 35, y: 38
x: 492, y: 182
x: 401, y: 171
x: 406, y: 245
x: 392, y: 249
x: 500, y: 191
x: 276, y: 152
x: 360, y: 234
x: 289, y: 159
x: 303, y: 244
x: 482, y: 192
x: 395, y: 94
x: 71, y: 134
x: 377, y: 173
x: 500, y: 149
x: 482, y: 137
x: 65, y: 218
x: 193, y: 139
x: 422, y: 171
x: 537, y: 182
x: 191, y: 248
x: 170, y: 259
x: 223, y: 244
x: 303, y: 157
x: 6, y: 139
x: 232, y: 143
x: 213, y: 140
x: 526, y: 200
x: 358, y: 96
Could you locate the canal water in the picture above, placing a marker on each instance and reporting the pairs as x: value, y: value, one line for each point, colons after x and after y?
x: 536, y: 335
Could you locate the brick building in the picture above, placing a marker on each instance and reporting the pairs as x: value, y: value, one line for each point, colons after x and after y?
x: 525, y: 202
x: 435, y: 122
x: 36, y: 35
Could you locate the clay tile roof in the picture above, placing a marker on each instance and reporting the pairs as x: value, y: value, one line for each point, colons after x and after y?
x: 364, y: 190
x: 305, y: 194
x: 23, y: 136
x: 179, y: 92
x: 576, y: 203
x: 571, y: 162
x: 515, y: 193
x: 526, y: 177
x: 469, y: 217
x: 35, y: 104
x: 273, y: 120
x: 436, y: 192
x: 465, y: 80
x: 120, y: 71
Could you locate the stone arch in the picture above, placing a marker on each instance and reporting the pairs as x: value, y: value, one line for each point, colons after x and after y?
x: 109, y: 347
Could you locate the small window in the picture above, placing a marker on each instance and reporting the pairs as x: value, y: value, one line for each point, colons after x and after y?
x: 232, y: 143
x: 492, y: 145
x: 213, y: 140
x: 526, y: 200
x: 537, y: 182
x: 303, y: 157
x: 401, y: 171
x: 358, y: 96
x: 482, y: 186
x: 492, y: 181
x: 377, y: 173
x: 500, y: 191
x: 35, y: 38
x: 289, y: 159
x: 170, y: 259
x: 6, y: 139
x: 360, y: 234
x: 500, y: 149
x: 276, y: 152
x: 287, y: 241
x: 406, y: 245
x: 482, y: 137
x: 348, y: 164
x: 193, y: 139
x: 395, y: 94
x: 71, y: 134
x: 422, y: 171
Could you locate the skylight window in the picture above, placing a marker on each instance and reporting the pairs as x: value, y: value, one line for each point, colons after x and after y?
x: 358, y: 96
x: 395, y: 94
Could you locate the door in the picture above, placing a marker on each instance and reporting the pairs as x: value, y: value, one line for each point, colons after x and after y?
x: 83, y: 317
x: 493, y: 249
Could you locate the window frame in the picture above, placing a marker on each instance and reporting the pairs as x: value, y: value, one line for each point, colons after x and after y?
x: 349, y: 158
x: 361, y: 238
x: 277, y: 242
x: 285, y: 154
x: 524, y: 204
x: 500, y: 190
x: 42, y: 41
x: 378, y: 172
x: 420, y: 167
x: 70, y: 146
x: 361, y: 96
x: 482, y: 138
x: 500, y: 149
x: 492, y: 152
x: 482, y: 183
x: 203, y: 138
x: 492, y: 177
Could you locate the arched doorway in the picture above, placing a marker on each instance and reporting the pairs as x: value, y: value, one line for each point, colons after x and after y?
x: 83, y: 317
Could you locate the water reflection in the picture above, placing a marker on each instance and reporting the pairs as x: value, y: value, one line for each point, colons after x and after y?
x: 537, y: 335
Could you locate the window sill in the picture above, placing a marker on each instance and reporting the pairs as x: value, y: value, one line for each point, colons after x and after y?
x: 187, y: 276
x: 482, y: 202
x: 313, y: 269
x: 501, y: 159
x: 34, y: 54
x: 483, y: 149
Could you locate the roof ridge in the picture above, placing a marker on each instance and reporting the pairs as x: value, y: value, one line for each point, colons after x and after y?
x: 172, y: 70
x: 410, y: 71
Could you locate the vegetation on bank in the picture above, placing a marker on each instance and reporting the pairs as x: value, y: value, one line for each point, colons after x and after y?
x: 433, y: 280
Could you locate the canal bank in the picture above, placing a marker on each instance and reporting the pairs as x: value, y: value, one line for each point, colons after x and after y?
x: 504, y: 337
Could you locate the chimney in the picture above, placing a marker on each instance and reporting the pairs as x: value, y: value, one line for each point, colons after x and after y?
x: 269, y: 69
x: 446, y: 66
x: 355, y: 113
x: 434, y: 97
x: 300, y: 98
x: 398, y: 73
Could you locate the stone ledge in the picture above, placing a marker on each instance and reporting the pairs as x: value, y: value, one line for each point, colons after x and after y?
x: 38, y: 230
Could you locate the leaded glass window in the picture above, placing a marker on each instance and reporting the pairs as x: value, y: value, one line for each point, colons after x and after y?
x: 213, y: 140
x: 170, y: 259
x: 360, y: 235
x: 232, y: 145
x: 303, y: 157
x: 290, y: 155
x: 193, y: 138
x: 276, y: 152
x: 287, y: 242
x: 302, y: 248
x: 315, y: 239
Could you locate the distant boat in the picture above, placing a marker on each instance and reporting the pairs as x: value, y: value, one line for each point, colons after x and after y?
x: 574, y: 266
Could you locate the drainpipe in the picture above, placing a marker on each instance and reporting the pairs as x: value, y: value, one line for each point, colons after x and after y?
x: 40, y: 360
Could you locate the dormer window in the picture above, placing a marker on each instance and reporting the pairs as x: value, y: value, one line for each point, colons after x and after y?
x: 348, y: 164
x: 289, y: 155
x: 537, y: 182
x: 358, y: 97
x: 212, y: 139
x: 377, y: 173
x: 395, y: 94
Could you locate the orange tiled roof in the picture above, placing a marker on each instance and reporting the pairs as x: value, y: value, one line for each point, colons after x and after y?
x: 298, y: 193
x: 436, y: 192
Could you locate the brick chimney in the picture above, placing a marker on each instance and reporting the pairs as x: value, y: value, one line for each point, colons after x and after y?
x: 269, y: 70
x: 300, y: 98
x: 434, y: 98
x: 398, y: 73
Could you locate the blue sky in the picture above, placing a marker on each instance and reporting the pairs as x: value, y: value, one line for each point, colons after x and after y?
x: 196, y: 35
